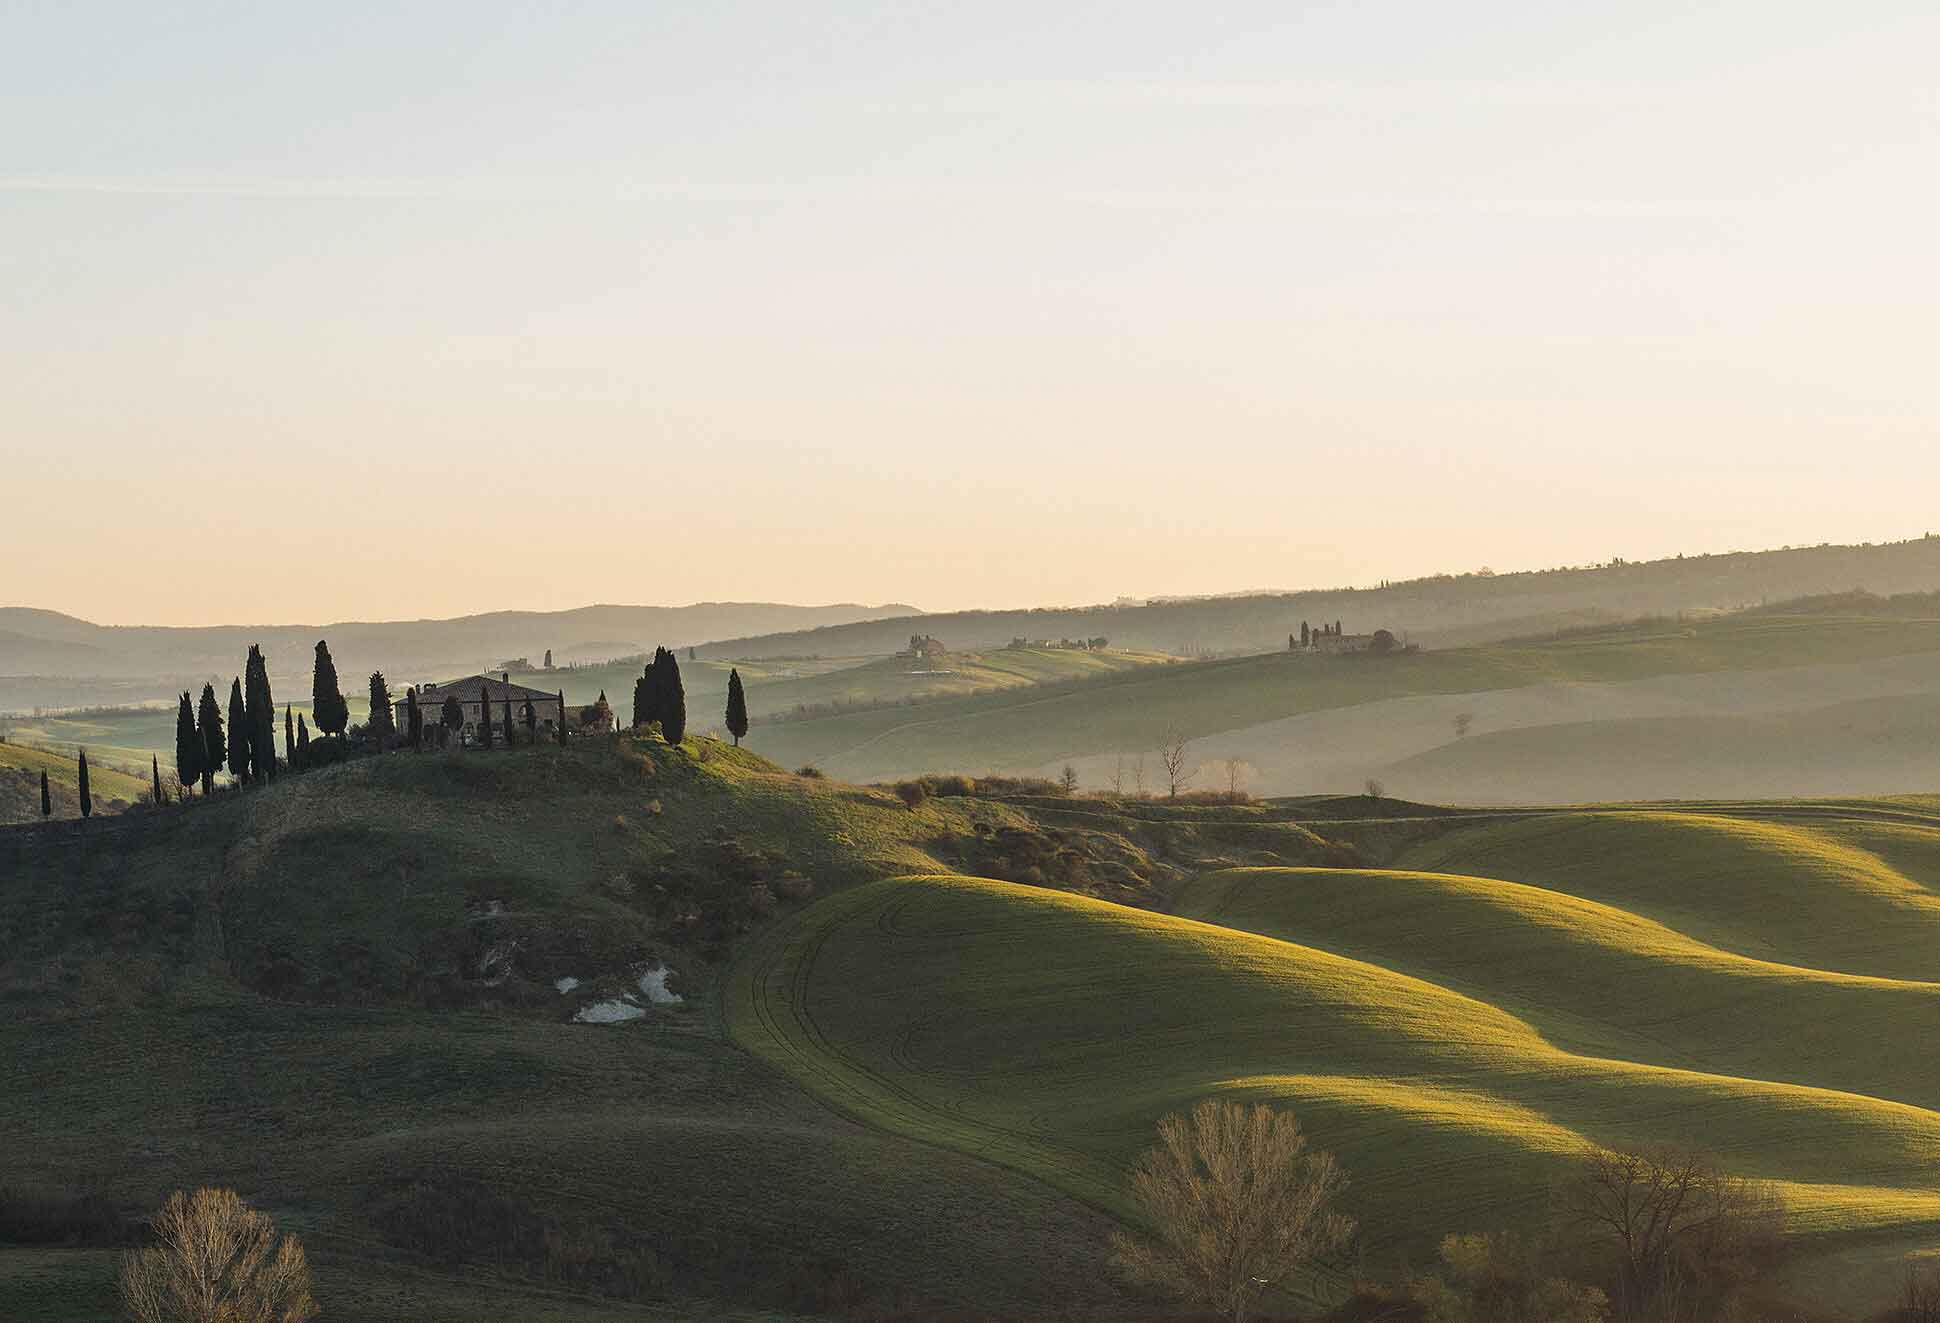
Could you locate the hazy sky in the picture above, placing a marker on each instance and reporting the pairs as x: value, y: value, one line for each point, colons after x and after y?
x: 324, y: 311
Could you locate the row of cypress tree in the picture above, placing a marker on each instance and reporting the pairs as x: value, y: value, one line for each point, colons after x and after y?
x: 245, y: 744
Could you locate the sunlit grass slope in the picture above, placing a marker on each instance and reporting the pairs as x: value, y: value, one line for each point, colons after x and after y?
x: 1801, y: 891
x: 1050, y: 1032
x: 1594, y: 978
x: 20, y: 769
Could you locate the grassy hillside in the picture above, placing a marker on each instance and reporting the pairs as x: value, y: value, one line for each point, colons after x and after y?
x: 1724, y: 980
x: 1130, y: 713
x: 20, y: 771
x: 342, y: 994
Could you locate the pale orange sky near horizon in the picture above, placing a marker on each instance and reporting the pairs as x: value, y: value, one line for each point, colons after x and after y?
x: 473, y: 308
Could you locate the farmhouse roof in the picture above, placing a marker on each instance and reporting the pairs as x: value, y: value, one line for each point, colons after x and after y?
x: 466, y: 691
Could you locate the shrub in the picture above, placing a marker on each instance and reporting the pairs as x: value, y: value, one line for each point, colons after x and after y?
x: 954, y: 785
x: 811, y: 771
x: 913, y: 793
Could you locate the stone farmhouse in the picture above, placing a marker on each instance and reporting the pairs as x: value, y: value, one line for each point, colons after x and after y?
x: 431, y: 700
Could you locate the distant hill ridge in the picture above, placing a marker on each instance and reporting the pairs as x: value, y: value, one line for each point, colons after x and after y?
x: 1441, y: 610
x: 38, y: 642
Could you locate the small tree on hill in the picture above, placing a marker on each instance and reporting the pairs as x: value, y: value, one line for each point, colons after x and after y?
x: 46, y: 799
x: 485, y: 716
x: 737, y: 706
x: 1173, y: 751
x: 289, y: 738
x: 216, y: 1260
x: 215, y: 745
x: 302, y: 741
x: 548, y: 659
x: 87, y: 800
x: 238, y: 733
x: 561, y: 732
x: 1068, y: 780
x: 326, y: 699
x: 1237, y: 1203
x: 155, y: 768
x: 383, y: 718
x: 188, y: 744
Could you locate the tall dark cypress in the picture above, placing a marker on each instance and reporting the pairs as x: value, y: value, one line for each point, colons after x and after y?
x: 87, y: 800
x: 737, y: 706
x: 531, y: 722
x: 383, y: 717
x: 509, y: 735
x: 643, y: 694
x: 413, y: 718
x: 673, y: 701
x: 326, y: 699
x: 155, y: 768
x: 485, y: 715
x: 215, y: 747
x: 46, y: 799
x: 302, y: 741
x: 261, y: 708
x: 289, y: 738
x: 238, y: 733
x: 188, y: 744
x: 562, y: 718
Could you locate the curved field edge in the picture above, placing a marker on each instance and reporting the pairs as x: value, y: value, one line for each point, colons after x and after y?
x: 1047, y: 1033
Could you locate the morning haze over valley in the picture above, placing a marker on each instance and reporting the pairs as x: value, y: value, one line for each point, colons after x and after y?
x: 635, y: 680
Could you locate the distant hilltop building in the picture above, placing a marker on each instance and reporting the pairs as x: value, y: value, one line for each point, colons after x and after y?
x: 1332, y: 640
x: 431, y: 700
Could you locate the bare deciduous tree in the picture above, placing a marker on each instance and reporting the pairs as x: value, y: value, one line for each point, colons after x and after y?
x: 1374, y: 788
x: 1684, y: 1233
x: 1237, y: 1204
x: 1173, y: 748
x: 1463, y: 720
x: 216, y: 1260
x: 1235, y: 777
x: 1138, y: 776
x: 1068, y: 780
x: 1118, y: 778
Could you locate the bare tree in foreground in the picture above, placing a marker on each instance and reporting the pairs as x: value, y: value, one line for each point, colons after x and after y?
x: 1173, y: 748
x: 216, y: 1260
x: 1685, y: 1234
x: 1236, y: 1204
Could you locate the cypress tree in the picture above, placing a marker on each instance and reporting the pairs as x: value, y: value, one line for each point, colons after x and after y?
x: 289, y: 739
x: 414, y: 718
x: 87, y: 800
x: 326, y: 700
x: 46, y: 800
x: 452, y: 715
x: 643, y: 694
x: 215, y: 748
x: 188, y: 744
x: 673, y: 701
x: 302, y: 740
x: 562, y: 718
x: 509, y: 729
x: 383, y: 718
x: 1337, y: 629
x: 155, y: 768
x: 531, y: 723
x: 737, y: 707
x: 485, y: 715
x: 261, y: 708
x: 238, y: 733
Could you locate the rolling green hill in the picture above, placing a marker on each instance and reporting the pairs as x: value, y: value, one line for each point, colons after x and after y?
x: 1725, y: 981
